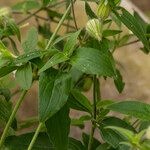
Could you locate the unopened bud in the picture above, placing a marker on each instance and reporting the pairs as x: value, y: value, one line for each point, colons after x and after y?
x: 94, y: 28
x: 4, y: 11
x: 103, y: 10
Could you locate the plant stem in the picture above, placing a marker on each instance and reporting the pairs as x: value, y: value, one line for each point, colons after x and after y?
x: 35, y: 136
x: 94, y: 112
x: 58, y: 26
x: 12, y: 118
x: 48, y: 45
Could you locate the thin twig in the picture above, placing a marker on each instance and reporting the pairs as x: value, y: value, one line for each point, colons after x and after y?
x: 127, y: 44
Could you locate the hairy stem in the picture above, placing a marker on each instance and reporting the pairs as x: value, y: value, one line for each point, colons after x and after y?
x: 35, y: 136
x: 94, y: 112
x: 12, y: 118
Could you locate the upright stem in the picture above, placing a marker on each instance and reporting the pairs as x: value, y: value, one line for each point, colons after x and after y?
x: 12, y: 118
x: 35, y: 136
x: 48, y: 45
x: 94, y: 112
x: 58, y: 26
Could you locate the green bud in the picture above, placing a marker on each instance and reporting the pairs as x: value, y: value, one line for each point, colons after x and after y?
x: 104, y: 9
x: 94, y: 29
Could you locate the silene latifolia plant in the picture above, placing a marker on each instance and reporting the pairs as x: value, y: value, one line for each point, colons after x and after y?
x: 65, y: 66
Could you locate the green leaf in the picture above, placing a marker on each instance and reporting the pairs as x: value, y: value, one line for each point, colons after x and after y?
x: 5, y: 110
x: 133, y: 25
x: 14, y: 46
x: 11, y: 28
x: 81, y: 121
x: 6, y: 93
x: 89, y: 11
x: 104, y: 146
x: 111, y: 136
x: 24, y: 76
x: 22, y: 142
x: 75, y: 144
x: 54, y: 60
x: 27, y: 57
x: 46, y: 2
x: 93, y: 61
x: 104, y: 103
x: 86, y: 138
x: 133, y: 108
x: 30, y: 43
x: 7, y: 69
x: 58, y: 127
x: 119, y: 81
x: 144, y: 125
x: 107, y: 33
x: 26, y: 5
x: 124, y: 132
x: 79, y: 102
x: 54, y: 90
x: 70, y: 44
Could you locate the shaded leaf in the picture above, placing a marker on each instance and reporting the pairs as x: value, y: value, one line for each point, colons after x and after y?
x: 54, y: 90
x: 79, y: 102
x: 58, y: 127
x: 133, y: 108
x: 70, y: 44
x: 54, y: 60
x: 22, y: 142
x: 75, y: 144
x: 24, y: 76
x: 133, y: 25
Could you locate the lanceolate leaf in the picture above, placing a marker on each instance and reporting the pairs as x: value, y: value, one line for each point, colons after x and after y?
x: 7, y: 69
x: 54, y: 89
x: 79, y: 102
x: 110, y: 136
x: 22, y: 142
x: 93, y: 61
x: 107, y: 33
x: 26, y: 5
x: 5, y: 110
x: 86, y: 138
x: 31, y: 40
x: 75, y: 145
x: 54, y: 60
x: 28, y: 56
x: 70, y: 44
x: 89, y: 11
x: 133, y: 25
x: 42, y: 142
x: 24, y: 76
x: 119, y: 81
x: 133, y: 108
x: 58, y: 127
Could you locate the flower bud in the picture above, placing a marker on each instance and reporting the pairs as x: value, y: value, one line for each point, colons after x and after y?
x: 94, y: 28
x: 104, y: 9
x: 4, y: 11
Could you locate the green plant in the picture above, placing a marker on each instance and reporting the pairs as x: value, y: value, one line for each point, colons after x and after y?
x: 64, y: 67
